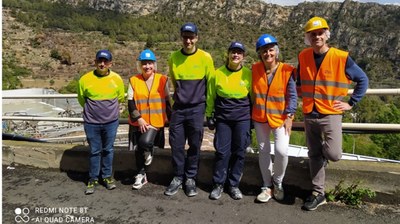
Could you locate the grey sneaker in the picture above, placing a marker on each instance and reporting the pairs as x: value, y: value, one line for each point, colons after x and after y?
x: 265, y: 195
x: 140, y: 180
x: 216, y: 192
x: 173, y: 187
x: 235, y: 193
x: 109, y: 183
x: 148, y: 158
x: 314, y: 201
x: 190, y: 187
x: 91, y: 186
x: 279, y: 194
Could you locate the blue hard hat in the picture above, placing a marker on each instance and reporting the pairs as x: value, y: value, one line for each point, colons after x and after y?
x: 264, y: 40
x: 147, y: 55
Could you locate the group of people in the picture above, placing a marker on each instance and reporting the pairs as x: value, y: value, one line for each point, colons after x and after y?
x: 232, y: 98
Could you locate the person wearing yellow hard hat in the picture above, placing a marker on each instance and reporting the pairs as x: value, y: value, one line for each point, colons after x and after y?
x: 324, y: 76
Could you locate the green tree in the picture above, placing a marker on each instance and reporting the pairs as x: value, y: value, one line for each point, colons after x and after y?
x: 389, y: 142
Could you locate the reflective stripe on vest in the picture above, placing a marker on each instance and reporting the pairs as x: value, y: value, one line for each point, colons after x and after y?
x: 150, y: 104
x: 326, y: 85
x: 269, y: 100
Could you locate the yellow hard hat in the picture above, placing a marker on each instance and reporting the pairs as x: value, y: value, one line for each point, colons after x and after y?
x: 316, y: 23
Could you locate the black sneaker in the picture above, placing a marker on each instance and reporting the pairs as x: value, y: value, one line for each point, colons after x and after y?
x: 216, y: 192
x: 109, y: 183
x: 235, y: 193
x: 173, y: 187
x: 313, y: 201
x: 91, y: 186
x: 190, y: 187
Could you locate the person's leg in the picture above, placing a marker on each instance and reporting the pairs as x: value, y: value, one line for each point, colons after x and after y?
x: 93, y: 135
x: 139, y: 155
x: 108, y: 134
x: 177, y: 140
x: 194, y: 129
x: 264, y: 157
x: 316, y: 161
x: 222, y: 144
x: 332, y: 129
x: 146, y: 143
x: 281, y: 154
x: 240, y: 141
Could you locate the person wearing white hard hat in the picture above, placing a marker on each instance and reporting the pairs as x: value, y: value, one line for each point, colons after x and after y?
x: 324, y: 76
x: 148, y: 104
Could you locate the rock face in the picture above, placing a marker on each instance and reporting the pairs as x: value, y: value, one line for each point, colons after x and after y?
x: 366, y: 29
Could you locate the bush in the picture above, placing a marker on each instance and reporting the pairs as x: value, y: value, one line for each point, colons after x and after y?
x: 351, y: 195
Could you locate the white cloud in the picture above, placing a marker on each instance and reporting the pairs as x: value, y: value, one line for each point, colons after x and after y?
x: 296, y: 2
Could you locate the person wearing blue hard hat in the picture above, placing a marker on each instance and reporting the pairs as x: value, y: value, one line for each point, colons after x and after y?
x: 228, y: 112
x: 190, y: 68
x: 100, y: 93
x: 274, y: 105
x: 146, y: 120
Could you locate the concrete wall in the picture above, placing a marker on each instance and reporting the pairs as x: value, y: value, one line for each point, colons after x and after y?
x: 383, y: 178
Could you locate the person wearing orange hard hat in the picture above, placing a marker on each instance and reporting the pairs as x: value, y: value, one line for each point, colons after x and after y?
x: 324, y: 76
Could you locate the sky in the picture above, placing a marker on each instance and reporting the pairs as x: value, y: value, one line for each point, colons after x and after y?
x: 296, y: 2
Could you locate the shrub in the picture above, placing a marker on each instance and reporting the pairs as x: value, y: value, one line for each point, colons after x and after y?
x: 351, y: 195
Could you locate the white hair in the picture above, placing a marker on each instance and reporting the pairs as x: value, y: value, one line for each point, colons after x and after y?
x: 307, y: 37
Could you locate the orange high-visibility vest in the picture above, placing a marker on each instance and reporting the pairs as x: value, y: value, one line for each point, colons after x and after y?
x: 269, y: 100
x: 326, y: 85
x: 150, y: 104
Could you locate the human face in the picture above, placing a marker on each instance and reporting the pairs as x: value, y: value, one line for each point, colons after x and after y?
x: 189, y: 41
x: 268, y: 53
x: 236, y: 57
x: 102, y: 66
x: 147, y: 68
x: 318, y: 38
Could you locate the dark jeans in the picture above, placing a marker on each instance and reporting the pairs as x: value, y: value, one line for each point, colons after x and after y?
x: 230, y: 142
x: 186, y: 124
x: 101, y: 139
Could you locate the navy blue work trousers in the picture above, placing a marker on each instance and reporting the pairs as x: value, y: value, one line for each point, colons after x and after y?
x: 186, y: 124
x: 230, y: 142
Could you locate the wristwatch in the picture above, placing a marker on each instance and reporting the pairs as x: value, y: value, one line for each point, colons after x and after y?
x: 290, y: 116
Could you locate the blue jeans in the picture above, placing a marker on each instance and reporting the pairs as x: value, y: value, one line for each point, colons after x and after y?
x: 230, y: 142
x: 101, y: 139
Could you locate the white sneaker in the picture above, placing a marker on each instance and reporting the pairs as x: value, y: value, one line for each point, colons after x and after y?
x: 279, y: 194
x: 265, y: 195
x: 148, y: 158
x: 140, y: 180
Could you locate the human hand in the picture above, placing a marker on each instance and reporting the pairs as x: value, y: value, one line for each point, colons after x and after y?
x: 341, y: 106
x: 288, y: 126
x: 143, y: 125
x: 210, y: 123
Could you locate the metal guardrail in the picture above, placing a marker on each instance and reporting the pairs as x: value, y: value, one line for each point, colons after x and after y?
x: 297, y: 126
x: 375, y: 128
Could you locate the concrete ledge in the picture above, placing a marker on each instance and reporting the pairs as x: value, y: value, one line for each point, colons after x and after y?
x: 383, y: 178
